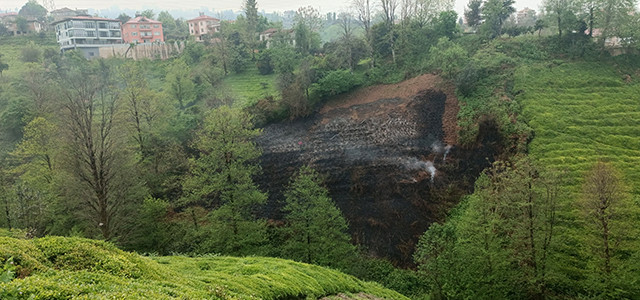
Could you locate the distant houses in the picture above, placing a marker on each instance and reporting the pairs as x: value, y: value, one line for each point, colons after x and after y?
x: 203, y: 25
x: 17, y: 25
x: 142, y: 30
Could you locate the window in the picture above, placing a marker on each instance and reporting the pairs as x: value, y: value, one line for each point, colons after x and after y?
x: 191, y: 30
x: 88, y: 33
x: 102, y: 25
x: 91, y: 54
x: 156, y: 26
x: 200, y: 23
x: 133, y: 25
x: 156, y: 33
x: 104, y: 34
x: 190, y: 24
x: 134, y: 33
x: 89, y: 25
x: 201, y: 30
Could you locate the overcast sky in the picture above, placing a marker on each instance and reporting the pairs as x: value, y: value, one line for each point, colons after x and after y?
x: 219, y: 5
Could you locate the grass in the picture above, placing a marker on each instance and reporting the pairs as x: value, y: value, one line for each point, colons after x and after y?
x: 11, y: 49
x: 65, y: 268
x: 582, y: 112
x: 249, y: 87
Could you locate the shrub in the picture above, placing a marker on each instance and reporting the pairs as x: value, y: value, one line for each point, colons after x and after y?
x: 335, y: 83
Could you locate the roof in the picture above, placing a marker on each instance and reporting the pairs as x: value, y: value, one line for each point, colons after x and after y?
x: 10, y: 14
x: 85, y: 18
x: 62, y: 10
x: 270, y: 30
x: 142, y: 19
x: 203, y: 18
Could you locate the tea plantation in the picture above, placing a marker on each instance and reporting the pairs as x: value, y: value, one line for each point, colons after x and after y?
x: 77, y: 268
x: 582, y: 112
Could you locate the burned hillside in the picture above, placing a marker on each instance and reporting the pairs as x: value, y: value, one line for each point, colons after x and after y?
x: 390, y: 157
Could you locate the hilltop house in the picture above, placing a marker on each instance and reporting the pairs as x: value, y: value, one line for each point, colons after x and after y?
x: 281, y: 35
x: 203, y: 25
x: 65, y: 12
x: 11, y: 21
x: 87, y: 34
x: 142, y: 30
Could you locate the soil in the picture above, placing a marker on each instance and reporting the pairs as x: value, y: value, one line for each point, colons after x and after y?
x: 390, y: 157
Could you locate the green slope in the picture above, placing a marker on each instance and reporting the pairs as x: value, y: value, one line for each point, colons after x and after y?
x: 65, y: 268
x: 582, y: 112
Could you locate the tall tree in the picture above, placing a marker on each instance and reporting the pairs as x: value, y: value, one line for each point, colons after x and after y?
x: 495, y: 13
x: 33, y: 10
x: 124, y: 18
x: 473, y: 13
x: 316, y: 231
x: 221, y: 177
x: 612, y: 234
x: 251, y: 14
x: 97, y: 160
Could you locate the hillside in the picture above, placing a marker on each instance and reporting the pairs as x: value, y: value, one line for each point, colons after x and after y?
x: 391, y: 158
x: 76, y: 268
x: 582, y: 112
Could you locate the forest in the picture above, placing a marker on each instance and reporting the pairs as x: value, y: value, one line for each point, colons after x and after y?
x: 146, y: 178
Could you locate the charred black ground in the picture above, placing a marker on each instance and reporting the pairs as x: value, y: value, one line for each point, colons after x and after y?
x: 386, y: 165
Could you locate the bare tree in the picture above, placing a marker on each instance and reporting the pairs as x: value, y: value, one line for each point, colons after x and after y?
x: 389, y: 11
x: 96, y: 154
x: 363, y: 12
x: 604, y: 208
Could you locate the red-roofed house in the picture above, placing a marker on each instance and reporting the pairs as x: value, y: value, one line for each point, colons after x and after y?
x: 142, y: 30
x: 202, y: 25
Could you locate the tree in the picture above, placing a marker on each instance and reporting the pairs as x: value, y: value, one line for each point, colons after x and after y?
x: 315, y: 231
x: 22, y: 24
x: 495, y: 12
x: 448, y: 57
x: 251, y: 14
x: 99, y: 166
x: 539, y: 26
x: 3, y: 66
x: 180, y: 86
x: 221, y: 178
x: 124, y: 18
x: 500, y: 240
x: 473, y: 14
x: 307, y: 24
x: 147, y: 13
x: 609, y: 217
x: 32, y: 9
x: 560, y: 12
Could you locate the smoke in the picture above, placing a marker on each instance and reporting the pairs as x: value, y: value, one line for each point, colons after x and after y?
x: 446, y: 151
x: 414, y: 164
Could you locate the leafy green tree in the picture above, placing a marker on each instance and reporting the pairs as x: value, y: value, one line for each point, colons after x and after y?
x: 147, y: 13
x: 180, y: 86
x: 495, y: 13
x: 316, y: 231
x: 448, y: 57
x: 22, y: 24
x: 473, y: 14
x: 562, y: 13
x: 251, y: 30
x: 124, y: 18
x: 221, y: 178
x: 32, y: 9
x: 499, y: 243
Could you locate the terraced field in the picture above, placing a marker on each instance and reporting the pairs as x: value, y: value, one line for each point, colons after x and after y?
x: 582, y: 112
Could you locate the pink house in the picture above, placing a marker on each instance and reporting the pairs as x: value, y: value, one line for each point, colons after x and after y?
x: 142, y: 30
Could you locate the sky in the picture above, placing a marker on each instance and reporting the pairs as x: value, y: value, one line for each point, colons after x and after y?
x: 219, y: 5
